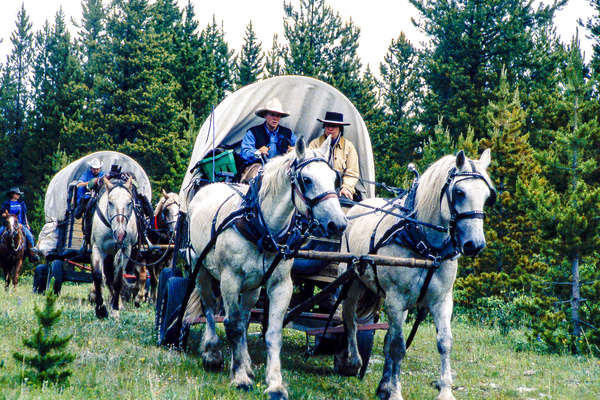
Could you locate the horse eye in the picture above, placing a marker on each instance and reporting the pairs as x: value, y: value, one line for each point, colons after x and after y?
x: 306, y: 181
x: 459, y: 193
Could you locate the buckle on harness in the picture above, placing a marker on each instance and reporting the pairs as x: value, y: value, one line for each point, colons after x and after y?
x: 423, y: 248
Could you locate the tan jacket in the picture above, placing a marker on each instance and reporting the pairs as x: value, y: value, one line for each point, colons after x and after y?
x: 345, y: 160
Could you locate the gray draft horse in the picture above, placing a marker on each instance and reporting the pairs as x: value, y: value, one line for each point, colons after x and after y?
x: 451, y: 193
x: 238, y: 266
x: 114, y: 232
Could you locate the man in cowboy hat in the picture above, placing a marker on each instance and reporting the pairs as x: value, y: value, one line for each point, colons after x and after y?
x: 343, y: 158
x: 268, y: 139
x: 90, y: 180
x: 15, y: 206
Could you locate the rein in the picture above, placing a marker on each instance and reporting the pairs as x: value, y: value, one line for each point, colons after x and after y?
x: 250, y: 214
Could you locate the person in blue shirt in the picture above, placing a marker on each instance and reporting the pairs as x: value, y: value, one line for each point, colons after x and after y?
x: 90, y: 180
x: 268, y: 139
x: 15, y: 206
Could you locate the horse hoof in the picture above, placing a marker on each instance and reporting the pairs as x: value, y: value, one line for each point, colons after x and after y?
x: 345, y: 366
x: 101, y: 312
x: 114, y: 314
x: 277, y: 396
x: 445, y: 394
x: 136, y: 304
x: 245, y: 387
x: 212, y: 361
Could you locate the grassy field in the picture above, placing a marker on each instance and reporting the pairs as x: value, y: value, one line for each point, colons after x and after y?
x: 119, y: 360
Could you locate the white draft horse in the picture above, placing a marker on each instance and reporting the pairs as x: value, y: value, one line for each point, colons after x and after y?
x: 451, y: 195
x: 298, y: 181
x: 114, y: 233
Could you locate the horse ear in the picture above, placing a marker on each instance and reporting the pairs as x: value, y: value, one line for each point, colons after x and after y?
x: 486, y: 158
x: 326, y: 148
x: 107, y: 183
x: 164, y: 192
x: 300, y: 148
x: 460, y: 159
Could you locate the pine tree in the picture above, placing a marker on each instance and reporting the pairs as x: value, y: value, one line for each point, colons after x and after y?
x: 320, y: 45
x: 16, y: 95
x: 593, y: 24
x: 569, y: 211
x: 50, y: 360
x: 57, y: 96
x: 471, y: 42
x: 274, y: 59
x: 217, y: 57
x: 250, y: 59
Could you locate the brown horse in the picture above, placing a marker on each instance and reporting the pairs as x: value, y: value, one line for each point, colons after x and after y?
x: 12, y: 250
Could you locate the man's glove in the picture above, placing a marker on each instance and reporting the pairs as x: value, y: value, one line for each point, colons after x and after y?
x: 92, y: 183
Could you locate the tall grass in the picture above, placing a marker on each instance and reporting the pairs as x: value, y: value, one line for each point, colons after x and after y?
x: 119, y: 360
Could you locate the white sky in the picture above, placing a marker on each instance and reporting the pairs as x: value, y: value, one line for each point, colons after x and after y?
x: 380, y: 21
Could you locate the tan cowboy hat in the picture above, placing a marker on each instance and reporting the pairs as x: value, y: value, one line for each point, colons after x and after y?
x: 273, y: 105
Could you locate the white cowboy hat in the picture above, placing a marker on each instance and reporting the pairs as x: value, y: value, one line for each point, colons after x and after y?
x: 273, y: 105
x: 95, y: 163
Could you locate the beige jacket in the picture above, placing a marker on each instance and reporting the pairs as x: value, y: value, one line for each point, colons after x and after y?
x: 345, y: 160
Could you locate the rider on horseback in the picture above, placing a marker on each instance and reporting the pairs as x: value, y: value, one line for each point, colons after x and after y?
x: 17, y: 207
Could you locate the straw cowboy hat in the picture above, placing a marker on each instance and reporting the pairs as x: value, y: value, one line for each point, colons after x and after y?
x: 14, y: 189
x: 273, y: 105
x: 95, y: 163
x: 333, y: 118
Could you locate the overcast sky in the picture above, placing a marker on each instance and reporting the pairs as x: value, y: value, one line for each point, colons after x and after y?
x: 380, y: 21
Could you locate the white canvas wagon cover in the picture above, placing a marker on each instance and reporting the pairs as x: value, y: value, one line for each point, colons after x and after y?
x: 55, y: 206
x: 306, y: 99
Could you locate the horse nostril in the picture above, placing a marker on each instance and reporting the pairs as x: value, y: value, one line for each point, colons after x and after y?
x: 334, y: 228
x: 470, y: 248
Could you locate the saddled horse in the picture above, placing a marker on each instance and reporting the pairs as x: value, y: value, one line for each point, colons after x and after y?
x: 166, y: 215
x: 114, y: 233
x: 300, y: 181
x: 12, y: 250
x: 447, y: 222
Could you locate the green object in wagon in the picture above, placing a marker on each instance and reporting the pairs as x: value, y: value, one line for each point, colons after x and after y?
x: 224, y: 162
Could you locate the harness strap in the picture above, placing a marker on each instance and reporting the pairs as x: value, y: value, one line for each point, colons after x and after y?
x: 421, y: 311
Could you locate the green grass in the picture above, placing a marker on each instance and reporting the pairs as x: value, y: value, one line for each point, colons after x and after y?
x: 119, y: 360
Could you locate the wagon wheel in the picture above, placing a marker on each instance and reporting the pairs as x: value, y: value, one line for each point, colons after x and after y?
x: 171, y: 305
x: 40, y: 278
x: 164, y: 276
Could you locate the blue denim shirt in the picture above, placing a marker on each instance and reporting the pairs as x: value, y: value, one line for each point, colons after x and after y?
x: 249, y: 144
x: 82, y: 191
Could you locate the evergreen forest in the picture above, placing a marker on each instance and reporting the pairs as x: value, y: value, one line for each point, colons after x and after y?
x: 140, y: 77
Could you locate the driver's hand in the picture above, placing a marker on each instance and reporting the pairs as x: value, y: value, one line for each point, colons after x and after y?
x: 346, y: 193
x: 264, y: 150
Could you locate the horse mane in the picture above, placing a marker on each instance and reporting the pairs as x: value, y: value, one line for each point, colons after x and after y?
x: 430, y: 188
x: 431, y: 183
x: 275, y: 174
x: 163, y: 200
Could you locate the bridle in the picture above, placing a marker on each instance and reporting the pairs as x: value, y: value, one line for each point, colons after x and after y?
x: 299, y: 189
x: 161, y: 219
x: 449, y: 192
x: 15, y: 235
x: 112, y: 217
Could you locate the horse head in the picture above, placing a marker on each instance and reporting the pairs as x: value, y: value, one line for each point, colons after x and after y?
x: 166, y: 212
x: 13, y: 231
x: 119, y: 207
x: 313, y: 187
x: 468, y: 189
